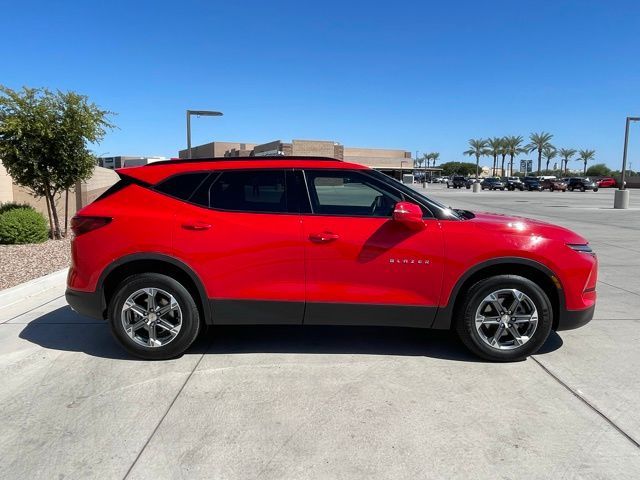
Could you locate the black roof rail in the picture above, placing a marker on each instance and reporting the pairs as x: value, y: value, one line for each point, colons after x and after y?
x: 233, y: 159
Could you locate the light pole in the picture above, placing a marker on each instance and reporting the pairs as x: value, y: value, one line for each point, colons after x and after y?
x: 197, y: 113
x: 621, y: 197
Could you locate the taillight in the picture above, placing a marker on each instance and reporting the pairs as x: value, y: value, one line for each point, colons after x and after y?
x: 80, y: 224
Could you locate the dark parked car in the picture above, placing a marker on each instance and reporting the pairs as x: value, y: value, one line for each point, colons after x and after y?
x: 514, y: 183
x: 582, y: 184
x: 552, y: 184
x: 456, y: 181
x: 492, y: 183
x: 532, y: 183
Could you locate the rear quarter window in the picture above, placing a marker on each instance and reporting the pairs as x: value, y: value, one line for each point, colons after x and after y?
x: 182, y: 185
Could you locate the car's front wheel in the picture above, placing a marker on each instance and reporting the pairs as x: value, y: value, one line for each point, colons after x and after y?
x: 504, y: 318
x: 153, y: 316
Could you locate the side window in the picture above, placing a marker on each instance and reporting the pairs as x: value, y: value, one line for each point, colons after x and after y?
x: 182, y: 186
x: 350, y: 193
x: 249, y: 191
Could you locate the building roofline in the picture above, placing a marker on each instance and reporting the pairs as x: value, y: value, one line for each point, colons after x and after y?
x: 245, y: 158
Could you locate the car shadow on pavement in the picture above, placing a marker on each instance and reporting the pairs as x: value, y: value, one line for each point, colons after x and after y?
x: 65, y: 330
x: 348, y: 340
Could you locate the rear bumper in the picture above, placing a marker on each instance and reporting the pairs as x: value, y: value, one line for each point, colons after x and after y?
x: 85, y: 303
x: 570, y: 319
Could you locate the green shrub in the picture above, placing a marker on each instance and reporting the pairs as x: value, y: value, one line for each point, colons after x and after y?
x: 23, y: 225
x: 5, y: 207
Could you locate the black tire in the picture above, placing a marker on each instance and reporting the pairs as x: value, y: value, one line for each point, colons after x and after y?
x: 595, y: 189
x: 570, y: 189
x: 190, y: 316
x: 465, y: 318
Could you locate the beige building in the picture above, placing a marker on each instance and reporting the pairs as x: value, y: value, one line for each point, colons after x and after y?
x: 219, y: 149
x: 391, y: 161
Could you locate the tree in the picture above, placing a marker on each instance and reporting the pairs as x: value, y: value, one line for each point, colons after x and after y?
x: 549, y: 154
x: 514, y: 148
x: 565, y: 155
x: 478, y: 149
x: 425, y: 163
x: 598, y: 170
x: 434, y: 156
x: 43, y: 141
x: 539, y: 141
x: 504, y: 144
x: 495, y: 148
x: 586, y: 156
x: 459, y: 168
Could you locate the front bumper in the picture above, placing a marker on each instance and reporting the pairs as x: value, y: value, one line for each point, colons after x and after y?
x: 89, y: 304
x: 570, y: 319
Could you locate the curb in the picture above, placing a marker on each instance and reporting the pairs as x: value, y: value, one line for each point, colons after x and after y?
x: 10, y: 296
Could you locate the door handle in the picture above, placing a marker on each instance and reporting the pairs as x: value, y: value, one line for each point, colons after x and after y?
x: 323, y: 237
x: 196, y: 226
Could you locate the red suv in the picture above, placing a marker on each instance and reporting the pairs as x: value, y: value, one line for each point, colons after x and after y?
x: 179, y: 244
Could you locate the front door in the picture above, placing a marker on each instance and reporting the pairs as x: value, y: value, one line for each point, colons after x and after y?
x: 243, y: 237
x: 361, y: 266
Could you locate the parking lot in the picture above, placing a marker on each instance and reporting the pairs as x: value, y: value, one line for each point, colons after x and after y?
x: 325, y: 402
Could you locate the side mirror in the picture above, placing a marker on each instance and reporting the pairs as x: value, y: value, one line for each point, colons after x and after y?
x: 408, y: 214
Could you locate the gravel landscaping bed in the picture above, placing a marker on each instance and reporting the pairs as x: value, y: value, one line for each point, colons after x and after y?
x: 20, y: 263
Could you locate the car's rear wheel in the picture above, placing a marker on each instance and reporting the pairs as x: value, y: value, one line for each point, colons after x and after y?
x: 504, y: 318
x: 153, y: 316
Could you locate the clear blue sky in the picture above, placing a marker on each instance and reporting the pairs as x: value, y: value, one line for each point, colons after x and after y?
x: 416, y: 75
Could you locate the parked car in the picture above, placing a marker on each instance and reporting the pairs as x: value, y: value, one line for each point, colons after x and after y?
x: 492, y: 183
x: 470, y: 181
x: 582, y: 184
x: 553, y: 184
x: 606, y: 182
x: 514, y: 183
x: 177, y: 245
x: 456, y: 181
x: 532, y: 183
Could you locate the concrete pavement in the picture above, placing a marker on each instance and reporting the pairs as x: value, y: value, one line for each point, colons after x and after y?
x: 324, y: 402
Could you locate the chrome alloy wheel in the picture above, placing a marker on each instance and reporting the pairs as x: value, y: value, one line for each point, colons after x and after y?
x: 151, y: 317
x: 506, y: 319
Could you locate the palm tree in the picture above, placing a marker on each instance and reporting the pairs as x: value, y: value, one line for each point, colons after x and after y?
x: 514, y: 148
x: 495, y: 148
x: 435, y: 156
x: 565, y: 155
x: 504, y: 152
x: 539, y: 141
x: 586, y: 156
x: 478, y: 149
x: 549, y: 154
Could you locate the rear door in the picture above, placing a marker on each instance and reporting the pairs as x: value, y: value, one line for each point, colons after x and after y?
x: 241, y: 233
x: 361, y: 266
